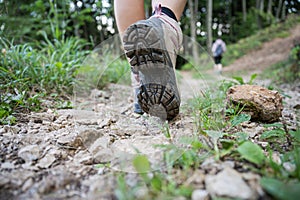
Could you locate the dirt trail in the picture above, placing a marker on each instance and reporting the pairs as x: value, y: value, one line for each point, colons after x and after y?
x: 54, y: 155
x: 270, y: 53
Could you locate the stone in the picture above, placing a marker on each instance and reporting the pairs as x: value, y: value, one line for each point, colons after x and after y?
x: 46, y: 161
x: 27, y: 184
x: 228, y: 183
x: 259, y: 102
x: 4, y: 181
x: 290, y: 167
x: 29, y: 153
x: 84, y: 157
x: 253, y: 181
x: 3, y: 130
x: 99, y: 144
x: 88, y: 136
x: 197, y: 178
x: 70, y: 140
x: 103, y: 156
x: 8, y: 165
x: 200, y: 195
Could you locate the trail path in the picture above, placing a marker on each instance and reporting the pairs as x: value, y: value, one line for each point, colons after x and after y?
x: 270, y: 53
x: 54, y: 155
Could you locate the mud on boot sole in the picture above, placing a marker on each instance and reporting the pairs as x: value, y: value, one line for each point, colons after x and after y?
x: 144, y: 46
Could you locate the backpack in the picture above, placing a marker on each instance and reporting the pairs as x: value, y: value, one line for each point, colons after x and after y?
x: 219, y: 50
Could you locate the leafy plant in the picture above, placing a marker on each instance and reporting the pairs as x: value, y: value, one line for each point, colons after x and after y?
x: 251, y: 152
x: 281, y: 189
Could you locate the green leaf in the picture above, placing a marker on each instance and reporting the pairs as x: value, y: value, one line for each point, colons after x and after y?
x: 141, y: 164
x: 156, y: 183
x: 276, y: 125
x: 226, y: 143
x: 241, y: 136
x: 251, y: 152
x: 240, y: 119
x: 280, y: 189
x: 253, y: 76
x: 239, y: 79
x: 215, y: 135
x: 295, y: 135
x: 272, y: 133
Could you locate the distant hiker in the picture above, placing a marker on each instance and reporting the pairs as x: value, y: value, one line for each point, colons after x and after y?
x: 218, y: 48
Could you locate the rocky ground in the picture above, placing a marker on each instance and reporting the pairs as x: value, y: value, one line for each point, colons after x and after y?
x: 56, y: 154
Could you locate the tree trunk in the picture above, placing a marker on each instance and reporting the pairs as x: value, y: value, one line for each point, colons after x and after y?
x: 269, y: 11
x: 258, y: 9
x: 209, y: 25
x: 278, y: 10
x: 262, y: 6
x: 193, y: 32
x: 270, y: 7
x: 244, y: 10
x: 283, y: 14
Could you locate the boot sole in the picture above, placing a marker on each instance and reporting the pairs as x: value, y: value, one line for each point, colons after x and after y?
x: 145, y: 48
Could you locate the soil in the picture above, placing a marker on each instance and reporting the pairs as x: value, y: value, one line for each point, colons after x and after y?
x: 78, y: 153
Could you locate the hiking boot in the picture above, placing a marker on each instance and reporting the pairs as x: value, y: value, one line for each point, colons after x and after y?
x: 151, y: 46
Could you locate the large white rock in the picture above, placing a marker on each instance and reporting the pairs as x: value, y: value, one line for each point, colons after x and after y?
x: 228, y: 183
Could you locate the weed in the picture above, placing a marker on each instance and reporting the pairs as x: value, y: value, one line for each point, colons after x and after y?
x: 29, y: 73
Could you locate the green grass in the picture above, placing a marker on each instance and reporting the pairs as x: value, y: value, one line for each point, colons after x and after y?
x: 31, y: 72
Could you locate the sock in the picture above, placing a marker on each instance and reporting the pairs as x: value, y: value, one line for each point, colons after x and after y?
x: 168, y: 12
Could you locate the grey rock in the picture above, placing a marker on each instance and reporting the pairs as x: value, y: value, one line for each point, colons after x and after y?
x: 46, y: 161
x: 7, y: 165
x: 290, y: 167
x: 27, y: 184
x: 84, y: 157
x: 29, y: 153
x: 88, y: 136
x: 253, y: 181
x: 197, y: 178
x: 3, y: 130
x: 99, y: 144
x: 103, y: 156
x: 33, y: 131
x: 13, y: 129
x: 200, y: 195
x: 69, y: 140
x: 228, y: 183
x: 3, y: 181
x: 105, y: 122
x: 259, y: 102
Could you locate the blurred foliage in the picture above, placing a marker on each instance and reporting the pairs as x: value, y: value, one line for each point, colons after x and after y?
x: 84, y: 19
x: 94, y: 20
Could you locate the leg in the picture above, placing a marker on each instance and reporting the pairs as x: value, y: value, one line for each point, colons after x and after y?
x: 220, y: 68
x: 128, y: 12
x: 176, y: 6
